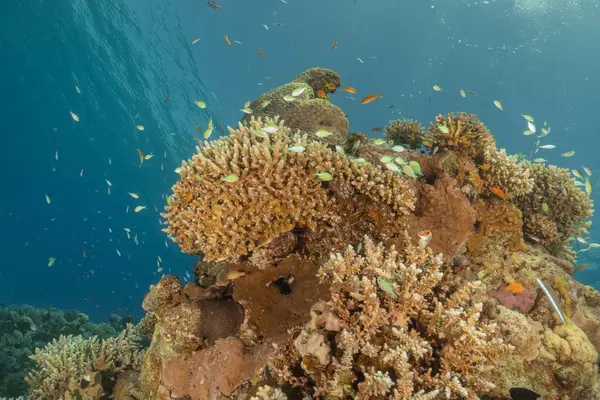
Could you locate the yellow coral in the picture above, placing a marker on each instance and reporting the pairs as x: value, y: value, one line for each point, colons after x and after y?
x: 277, y: 189
x: 507, y: 173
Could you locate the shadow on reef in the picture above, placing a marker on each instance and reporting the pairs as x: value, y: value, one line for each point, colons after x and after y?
x: 415, y: 266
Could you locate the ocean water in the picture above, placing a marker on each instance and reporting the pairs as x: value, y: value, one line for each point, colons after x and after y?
x: 134, y: 63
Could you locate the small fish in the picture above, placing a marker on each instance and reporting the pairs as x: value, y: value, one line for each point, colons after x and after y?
x: 437, y: 88
x: 499, y: 105
x: 399, y: 161
x: 189, y: 197
x: 340, y: 149
x: 334, y: 46
x: 386, y: 286
x: 518, y: 393
x: 485, y: 166
x: 499, y: 193
x: 296, y: 149
x: 407, y: 169
x: 548, y: 147
x: 349, y: 89
x: 209, y: 129
x: 266, y: 27
x: 385, y: 159
x: 580, y: 268
x: 227, y: 40
x: 77, y: 89
x: 324, y: 176
x: 51, y: 261
x: 195, y: 40
x: 322, y: 95
x: 297, y: 92
x: 515, y: 287
x: 230, y: 178
x: 568, y: 154
x: 247, y: 104
x: 474, y: 93
x: 539, y: 160
x: 398, y: 148
x: 75, y: 116
x: 588, y: 187
x: 581, y: 240
x: 265, y: 103
x: 391, y: 166
x: 288, y: 98
x: 531, y: 126
x: 462, y: 93
x: 148, y: 156
x: 587, y: 171
x: 48, y: 199
x: 370, y: 98
x: 246, y: 110
x: 270, y: 128
x: 322, y: 133
x: 118, y: 252
x: 237, y: 41
x: 139, y: 208
x: 200, y: 103
x: 443, y: 128
x: 416, y: 167
x: 594, y: 245
x: 545, y: 131
x: 214, y: 5
x: 577, y: 173
x: 261, y: 53
x: 260, y: 133
x: 108, y: 182
x: 360, y: 60
x: 529, y: 118
x: 81, y: 173
x: 527, y: 132
x: 377, y: 129
x: 553, y: 302
x: 545, y: 208
x: 140, y: 127
x: 379, y: 141
x: 424, y: 238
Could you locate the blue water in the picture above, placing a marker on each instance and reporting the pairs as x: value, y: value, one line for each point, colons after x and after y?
x: 134, y: 63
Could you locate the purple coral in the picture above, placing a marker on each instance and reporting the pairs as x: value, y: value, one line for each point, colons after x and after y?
x: 521, y: 301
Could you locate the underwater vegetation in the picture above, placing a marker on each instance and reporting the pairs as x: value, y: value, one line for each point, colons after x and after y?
x: 420, y: 265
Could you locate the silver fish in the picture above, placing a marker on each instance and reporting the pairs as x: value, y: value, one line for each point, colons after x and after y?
x: 552, y: 301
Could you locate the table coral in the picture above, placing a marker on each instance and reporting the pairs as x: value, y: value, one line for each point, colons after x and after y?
x: 417, y: 330
x: 277, y: 189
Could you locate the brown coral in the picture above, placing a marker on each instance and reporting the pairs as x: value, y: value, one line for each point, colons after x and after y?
x: 277, y: 189
x: 403, y: 332
x: 405, y: 131
x: 463, y: 133
x: 507, y: 173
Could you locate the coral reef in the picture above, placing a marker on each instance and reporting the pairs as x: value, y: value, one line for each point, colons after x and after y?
x: 25, y: 328
x: 64, y: 363
x: 337, y: 266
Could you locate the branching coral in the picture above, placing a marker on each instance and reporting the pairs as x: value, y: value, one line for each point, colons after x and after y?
x: 463, y: 133
x: 404, y: 331
x: 565, y: 207
x: 274, y: 190
x: 405, y: 131
x: 507, y: 173
x: 73, y: 357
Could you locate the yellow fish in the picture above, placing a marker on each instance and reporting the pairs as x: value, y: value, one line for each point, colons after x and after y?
x: 499, y: 105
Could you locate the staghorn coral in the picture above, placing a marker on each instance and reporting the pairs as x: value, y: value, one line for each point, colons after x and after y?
x: 306, y: 112
x: 405, y: 131
x: 277, y: 189
x: 402, y: 332
x: 507, y: 173
x: 71, y: 358
x: 465, y: 135
x: 567, y: 209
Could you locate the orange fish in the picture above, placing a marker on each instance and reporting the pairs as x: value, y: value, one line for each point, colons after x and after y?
x: 334, y: 46
x: 370, y: 98
x: 500, y: 193
x: 214, y: 5
x: 84, y: 253
x: 580, y: 267
x: 260, y: 53
x: 322, y: 95
x: 227, y: 40
x: 484, y: 167
x: 141, y: 155
x: 476, y: 179
x: 349, y: 89
x: 515, y: 288
x: 330, y: 87
x: 198, y: 130
x: 189, y: 197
